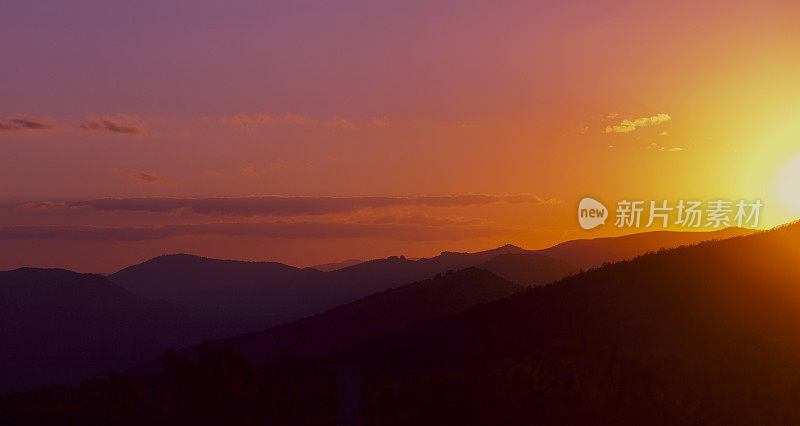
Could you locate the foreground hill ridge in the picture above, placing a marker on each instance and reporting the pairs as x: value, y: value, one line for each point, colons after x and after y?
x: 383, y: 312
x: 608, y: 273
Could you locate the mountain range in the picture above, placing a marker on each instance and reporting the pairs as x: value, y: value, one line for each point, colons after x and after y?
x: 704, y: 334
x: 701, y: 334
x: 58, y: 326
x: 380, y: 313
x: 62, y: 326
x: 327, y: 267
x: 279, y: 293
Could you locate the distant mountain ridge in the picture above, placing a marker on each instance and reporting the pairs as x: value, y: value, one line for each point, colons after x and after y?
x: 58, y: 326
x: 229, y: 284
x: 327, y: 267
x: 591, y: 253
x: 279, y: 293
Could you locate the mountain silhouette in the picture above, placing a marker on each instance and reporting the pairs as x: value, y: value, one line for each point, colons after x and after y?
x: 58, y: 326
x: 528, y: 269
x: 702, y: 334
x: 678, y: 336
x: 385, y: 312
x: 279, y: 293
x: 591, y: 253
x: 271, y: 290
x: 327, y: 267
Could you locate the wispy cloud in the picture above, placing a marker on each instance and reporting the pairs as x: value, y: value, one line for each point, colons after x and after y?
x: 21, y: 123
x: 123, y: 125
x: 244, y: 121
x: 656, y: 147
x: 248, y: 121
x: 44, y: 205
x: 141, y: 177
x: 305, y: 121
x: 626, y: 125
x: 288, y: 230
x: 299, y: 206
x: 249, y: 172
x: 424, y: 219
x: 380, y: 122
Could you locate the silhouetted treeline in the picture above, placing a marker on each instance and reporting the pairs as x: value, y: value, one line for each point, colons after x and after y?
x: 220, y: 388
x: 746, y: 385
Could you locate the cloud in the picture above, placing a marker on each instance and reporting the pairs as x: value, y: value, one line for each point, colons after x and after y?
x: 626, y: 125
x: 305, y: 121
x: 298, y: 206
x: 21, y: 123
x: 657, y: 147
x: 249, y: 172
x: 380, y: 122
x: 44, y: 205
x: 247, y: 122
x: 143, y: 177
x: 288, y: 230
x: 424, y: 219
x: 124, y: 125
x: 244, y: 121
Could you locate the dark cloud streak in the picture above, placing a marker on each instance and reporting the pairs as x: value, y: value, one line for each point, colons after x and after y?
x: 113, y: 125
x: 141, y: 177
x: 288, y: 230
x: 297, y: 206
x: 23, y: 123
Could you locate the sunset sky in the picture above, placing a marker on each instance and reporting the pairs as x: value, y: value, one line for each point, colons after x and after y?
x: 379, y: 128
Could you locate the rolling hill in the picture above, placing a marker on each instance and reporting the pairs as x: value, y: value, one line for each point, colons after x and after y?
x: 327, y: 267
x: 58, y: 326
x: 384, y: 312
x: 279, y: 293
x: 271, y: 290
x: 528, y: 269
x: 680, y: 336
x: 705, y: 334
x: 591, y: 253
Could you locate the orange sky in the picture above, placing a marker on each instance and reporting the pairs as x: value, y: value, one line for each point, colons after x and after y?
x: 382, y: 99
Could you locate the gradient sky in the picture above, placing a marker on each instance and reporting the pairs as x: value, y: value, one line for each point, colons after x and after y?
x: 503, y: 113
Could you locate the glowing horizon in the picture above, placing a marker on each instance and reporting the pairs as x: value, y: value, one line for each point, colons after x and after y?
x: 373, y: 100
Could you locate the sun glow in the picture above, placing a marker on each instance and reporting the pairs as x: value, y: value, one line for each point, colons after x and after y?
x: 787, y: 185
